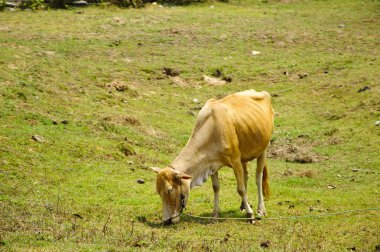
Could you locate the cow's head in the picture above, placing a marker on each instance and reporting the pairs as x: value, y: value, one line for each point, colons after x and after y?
x: 173, y: 188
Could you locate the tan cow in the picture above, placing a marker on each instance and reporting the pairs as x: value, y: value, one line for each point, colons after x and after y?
x: 228, y: 132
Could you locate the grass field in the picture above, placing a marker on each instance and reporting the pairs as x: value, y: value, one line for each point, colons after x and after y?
x: 88, y: 85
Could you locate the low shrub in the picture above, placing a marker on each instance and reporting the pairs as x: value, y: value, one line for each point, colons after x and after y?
x: 32, y: 4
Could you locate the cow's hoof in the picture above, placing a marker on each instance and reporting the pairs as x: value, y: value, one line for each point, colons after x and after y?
x: 242, y: 207
x: 250, y: 218
x: 261, y: 213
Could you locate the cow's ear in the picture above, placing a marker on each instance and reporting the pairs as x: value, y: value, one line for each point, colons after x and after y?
x: 184, y: 176
x: 155, y: 169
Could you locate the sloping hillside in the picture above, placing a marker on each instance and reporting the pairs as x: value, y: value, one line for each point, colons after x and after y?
x: 90, y: 98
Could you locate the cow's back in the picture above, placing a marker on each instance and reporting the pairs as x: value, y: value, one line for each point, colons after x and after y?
x: 244, y: 121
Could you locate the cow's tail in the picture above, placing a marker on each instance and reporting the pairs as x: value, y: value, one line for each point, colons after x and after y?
x: 265, y: 182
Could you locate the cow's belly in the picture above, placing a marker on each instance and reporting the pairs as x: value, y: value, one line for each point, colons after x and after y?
x: 252, y: 147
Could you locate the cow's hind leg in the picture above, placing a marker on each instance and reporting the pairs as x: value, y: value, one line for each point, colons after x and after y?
x: 259, y: 182
x: 245, y: 172
x: 239, y: 174
x: 215, y: 187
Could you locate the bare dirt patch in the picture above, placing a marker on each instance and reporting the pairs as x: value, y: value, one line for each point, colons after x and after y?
x: 299, y: 150
x: 121, y: 86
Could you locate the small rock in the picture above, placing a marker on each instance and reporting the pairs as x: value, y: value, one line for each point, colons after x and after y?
x: 377, y: 123
x: 140, y: 181
x: 254, y: 53
x: 195, y: 100
x: 355, y: 170
x: 265, y: 244
x: 80, y: 3
x: 286, y: 73
x: 38, y: 138
x: 331, y: 186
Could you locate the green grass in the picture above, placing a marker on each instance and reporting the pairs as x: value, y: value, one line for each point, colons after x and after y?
x: 64, y: 65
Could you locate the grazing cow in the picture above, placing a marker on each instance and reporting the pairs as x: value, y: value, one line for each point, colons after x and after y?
x: 228, y: 132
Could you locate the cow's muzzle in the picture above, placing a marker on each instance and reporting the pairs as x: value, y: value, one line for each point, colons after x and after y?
x: 171, y: 220
x: 168, y: 222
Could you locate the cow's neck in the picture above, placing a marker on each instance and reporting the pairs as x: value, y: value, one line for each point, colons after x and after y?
x: 194, y: 160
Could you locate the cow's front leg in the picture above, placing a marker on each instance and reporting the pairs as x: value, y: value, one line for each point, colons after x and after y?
x: 215, y: 187
x: 239, y: 174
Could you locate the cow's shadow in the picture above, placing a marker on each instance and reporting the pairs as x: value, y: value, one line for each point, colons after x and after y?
x: 204, y: 219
